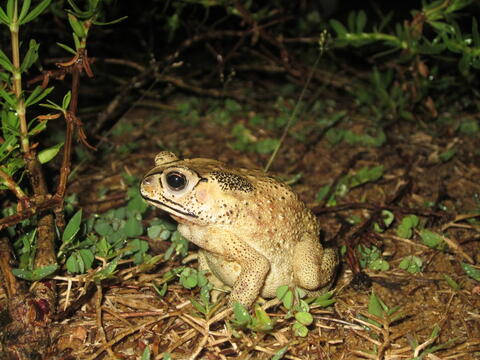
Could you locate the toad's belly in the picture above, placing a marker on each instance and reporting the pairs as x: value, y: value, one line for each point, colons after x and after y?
x: 229, y: 271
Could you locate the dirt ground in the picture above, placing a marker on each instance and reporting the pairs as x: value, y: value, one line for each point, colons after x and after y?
x: 134, y: 316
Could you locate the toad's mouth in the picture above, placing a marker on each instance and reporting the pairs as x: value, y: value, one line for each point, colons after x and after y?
x: 177, y: 213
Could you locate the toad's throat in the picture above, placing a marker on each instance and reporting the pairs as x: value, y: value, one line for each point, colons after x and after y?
x: 171, y: 209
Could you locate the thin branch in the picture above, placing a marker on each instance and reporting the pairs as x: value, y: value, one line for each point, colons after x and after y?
x: 12, y: 185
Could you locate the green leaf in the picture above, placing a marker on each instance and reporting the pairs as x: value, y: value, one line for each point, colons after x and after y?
x: 106, y: 272
x: 46, y: 155
x: 75, y: 264
x: 5, y: 62
x: 25, y: 8
x: 77, y: 26
x: 198, y: 306
x: 432, y: 239
x: 324, y: 300
x: 280, y: 353
x: 266, y: 146
x: 387, y: 219
x: 375, y: 306
x: 102, y: 247
x: 103, y: 228
x: 379, y: 264
x: 52, y: 105
x: 10, y: 6
x: 31, y: 56
x: 37, y: 95
x: 469, y: 127
x: 299, y: 329
x: 4, y: 18
x: 76, y: 41
x: 66, y: 100
x: 116, y: 21
x: 366, y: 174
x: 146, y: 354
x: 37, y: 10
x: 442, y: 27
x: 452, y: 283
x: 405, y: 229
x: 261, y: 321
x: 67, y: 48
x: 9, y: 99
x: 189, y: 278
x: 412, y: 264
x: 242, y: 317
x: 133, y: 227
x: 161, y: 291
x: 87, y: 257
x: 72, y: 227
x: 37, y: 274
x: 281, y: 291
x: 158, y: 232
x: 304, y: 318
x: 361, y: 21
x: 475, y: 33
x: 339, y: 28
x: 447, y: 155
x: 471, y: 271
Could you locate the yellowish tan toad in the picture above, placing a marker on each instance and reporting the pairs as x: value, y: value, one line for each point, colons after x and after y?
x: 253, y: 232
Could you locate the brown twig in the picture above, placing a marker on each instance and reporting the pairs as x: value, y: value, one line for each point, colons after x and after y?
x: 259, y: 31
x: 11, y: 284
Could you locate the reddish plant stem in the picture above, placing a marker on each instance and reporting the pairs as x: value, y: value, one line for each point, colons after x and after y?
x: 9, y: 279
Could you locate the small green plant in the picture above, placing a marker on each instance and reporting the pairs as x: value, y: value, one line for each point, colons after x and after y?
x: 452, y: 283
x: 191, y: 278
x: 432, y: 239
x: 146, y: 355
x: 260, y: 321
x: 412, y: 264
x: 432, y: 35
x: 21, y: 155
x: 111, y: 236
x: 421, y: 351
x: 471, y: 271
x: 379, y: 309
x: 406, y: 226
x: 162, y: 230
x: 246, y: 141
x: 378, y: 321
x: 299, y: 307
x: 387, y: 218
x: 372, y: 137
x: 224, y: 114
x: 363, y: 176
x: 280, y: 353
x: 371, y: 257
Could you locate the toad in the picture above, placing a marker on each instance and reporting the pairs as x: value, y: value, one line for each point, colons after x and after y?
x: 253, y: 232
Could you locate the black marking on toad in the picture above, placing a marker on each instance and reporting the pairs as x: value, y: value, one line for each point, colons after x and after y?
x: 229, y: 181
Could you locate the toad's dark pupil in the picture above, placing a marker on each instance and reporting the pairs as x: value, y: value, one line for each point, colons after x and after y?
x: 176, y: 181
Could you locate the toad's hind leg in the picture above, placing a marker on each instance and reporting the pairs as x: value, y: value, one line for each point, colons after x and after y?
x: 313, y: 266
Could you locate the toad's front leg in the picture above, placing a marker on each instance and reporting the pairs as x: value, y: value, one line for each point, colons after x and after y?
x: 228, y: 246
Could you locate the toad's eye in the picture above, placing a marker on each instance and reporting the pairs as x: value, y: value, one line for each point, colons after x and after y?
x: 176, y: 181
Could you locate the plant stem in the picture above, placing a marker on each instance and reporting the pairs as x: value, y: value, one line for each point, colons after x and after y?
x: 45, y: 254
x: 12, y: 185
x: 17, y: 82
x: 294, y: 113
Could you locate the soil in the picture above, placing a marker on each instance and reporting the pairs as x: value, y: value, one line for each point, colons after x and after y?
x: 416, y: 179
